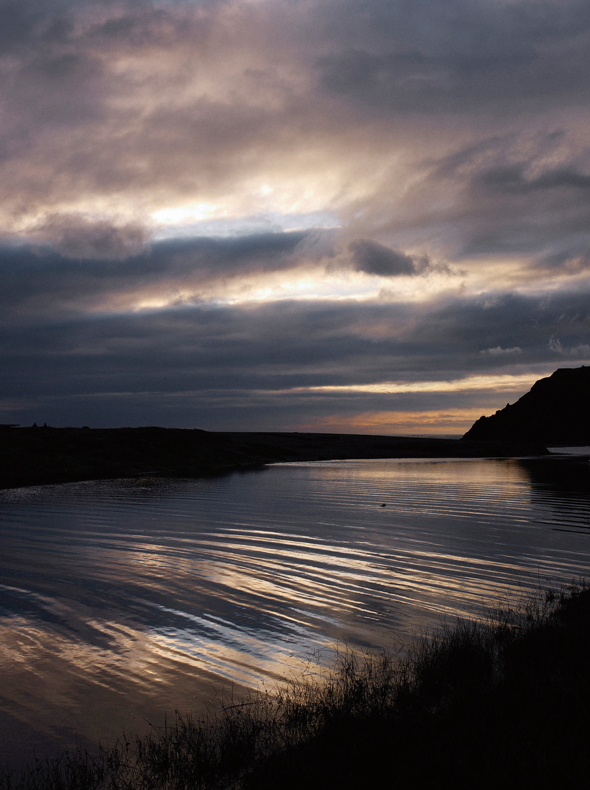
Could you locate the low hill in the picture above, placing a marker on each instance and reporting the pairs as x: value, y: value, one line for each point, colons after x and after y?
x: 555, y: 411
x: 34, y: 456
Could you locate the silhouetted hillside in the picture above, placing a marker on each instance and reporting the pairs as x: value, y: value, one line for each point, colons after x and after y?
x: 34, y: 456
x: 555, y: 411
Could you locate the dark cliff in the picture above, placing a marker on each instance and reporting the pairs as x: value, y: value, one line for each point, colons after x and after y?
x: 555, y: 411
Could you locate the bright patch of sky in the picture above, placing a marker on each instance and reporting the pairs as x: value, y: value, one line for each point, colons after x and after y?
x: 187, y: 222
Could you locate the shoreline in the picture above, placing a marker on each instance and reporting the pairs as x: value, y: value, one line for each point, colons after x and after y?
x: 45, y: 456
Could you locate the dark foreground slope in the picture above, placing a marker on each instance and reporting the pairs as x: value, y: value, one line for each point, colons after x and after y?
x: 498, y: 704
x: 35, y: 456
x: 555, y: 411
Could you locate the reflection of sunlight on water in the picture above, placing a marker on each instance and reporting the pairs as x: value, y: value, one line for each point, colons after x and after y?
x: 95, y: 647
x: 234, y: 653
x: 138, y: 595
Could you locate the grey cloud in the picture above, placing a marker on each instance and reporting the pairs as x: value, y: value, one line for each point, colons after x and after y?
x: 80, y: 237
x: 493, y: 199
x: 433, y: 57
x: 230, y: 410
x: 455, y: 127
x: 439, y: 60
x: 202, y: 348
x: 97, y: 262
x: 498, y: 351
x: 581, y: 351
x: 507, y: 322
x: 233, y: 368
x: 371, y: 257
x: 25, y: 23
x: 569, y: 258
x: 76, y: 128
x: 512, y: 179
x: 79, y: 128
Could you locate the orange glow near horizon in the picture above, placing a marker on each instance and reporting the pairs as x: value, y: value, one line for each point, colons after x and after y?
x: 443, y: 422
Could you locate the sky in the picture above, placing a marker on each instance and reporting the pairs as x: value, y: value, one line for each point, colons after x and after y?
x: 363, y: 216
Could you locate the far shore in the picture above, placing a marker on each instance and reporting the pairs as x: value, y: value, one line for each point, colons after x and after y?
x: 46, y: 455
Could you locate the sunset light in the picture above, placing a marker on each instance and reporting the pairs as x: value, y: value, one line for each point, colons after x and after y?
x: 294, y: 363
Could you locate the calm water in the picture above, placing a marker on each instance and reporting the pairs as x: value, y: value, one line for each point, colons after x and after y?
x: 123, y: 600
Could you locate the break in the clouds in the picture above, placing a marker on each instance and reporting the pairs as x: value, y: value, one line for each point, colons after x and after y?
x: 265, y: 213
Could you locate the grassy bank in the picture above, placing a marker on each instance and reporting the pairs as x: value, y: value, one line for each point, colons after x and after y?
x: 477, y: 704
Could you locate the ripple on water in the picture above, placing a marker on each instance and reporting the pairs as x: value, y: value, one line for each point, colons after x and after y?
x: 122, y: 599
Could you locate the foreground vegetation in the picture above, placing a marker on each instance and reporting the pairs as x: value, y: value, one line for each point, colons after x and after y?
x: 476, y: 704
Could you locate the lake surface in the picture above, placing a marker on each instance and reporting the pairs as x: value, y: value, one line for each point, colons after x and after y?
x: 121, y: 601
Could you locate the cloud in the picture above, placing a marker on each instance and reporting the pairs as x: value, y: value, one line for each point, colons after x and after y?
x: 513, y: 179
x: 498, y: 351
x: 581, y: 351
x: 39, y: 280
x: 506, y: 196
x: 429, y: 58
x: 371, y: 257
x: 125, y: 109
x: 77, y: 236
x: 272, y: 361
x: 446, y: 143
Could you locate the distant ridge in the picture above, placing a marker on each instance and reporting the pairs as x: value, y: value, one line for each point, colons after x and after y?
x: 555, y: 411
x: 39, y: 456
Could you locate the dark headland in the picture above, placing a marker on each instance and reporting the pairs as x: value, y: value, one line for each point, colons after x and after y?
x: 556, y: 411
x: 37, y: 456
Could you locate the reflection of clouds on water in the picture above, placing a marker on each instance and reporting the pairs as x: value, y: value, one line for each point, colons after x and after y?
x: 80, y: 677
x: 142, y: 594
x: 246, y: 655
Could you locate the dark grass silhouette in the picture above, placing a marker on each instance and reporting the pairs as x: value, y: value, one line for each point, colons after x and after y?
x: 477, y: 704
